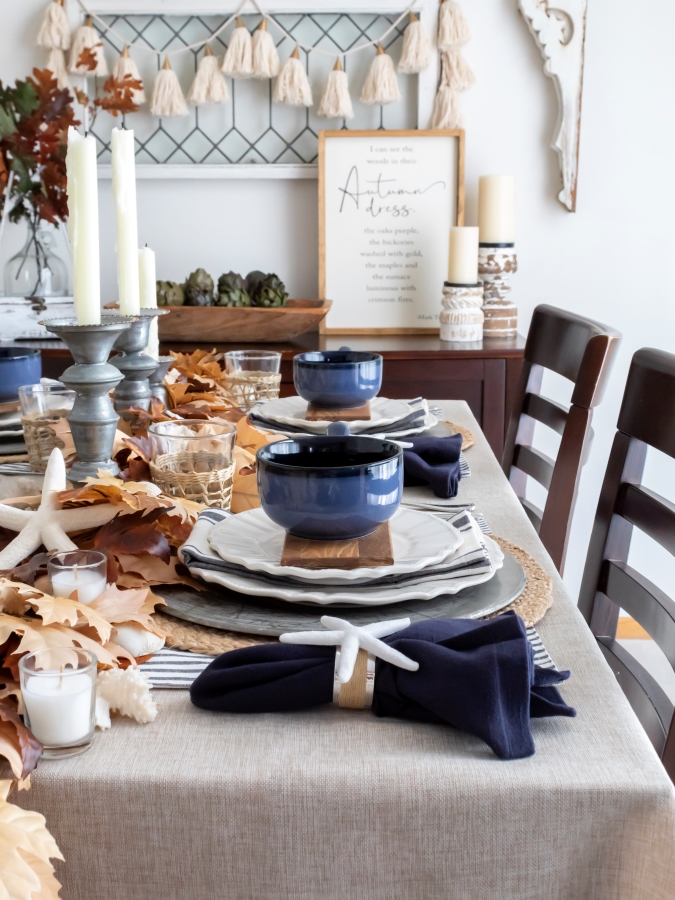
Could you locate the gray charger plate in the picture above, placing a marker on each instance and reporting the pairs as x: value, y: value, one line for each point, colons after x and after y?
x: 232, y: 611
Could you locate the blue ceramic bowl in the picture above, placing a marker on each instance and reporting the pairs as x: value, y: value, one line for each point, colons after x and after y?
x: 330, y: 487
x: 18, y: 366
x: 337, y: 379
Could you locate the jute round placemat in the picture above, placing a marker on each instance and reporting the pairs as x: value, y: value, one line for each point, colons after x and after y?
x: 531, y: 606
x: 467, y: 437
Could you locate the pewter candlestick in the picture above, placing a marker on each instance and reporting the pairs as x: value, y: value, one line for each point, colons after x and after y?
x: 496, y: 263
x: 93, y: 420
x: 157, y: 388
x: 134, y: 364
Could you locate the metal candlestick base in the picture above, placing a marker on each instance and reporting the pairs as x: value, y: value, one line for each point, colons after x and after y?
x: 496, y: 263
x: 134, y: 364
x: 157, y: 388
x: 93, y: 420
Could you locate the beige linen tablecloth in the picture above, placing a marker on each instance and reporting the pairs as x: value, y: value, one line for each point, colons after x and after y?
x: 339, y: 805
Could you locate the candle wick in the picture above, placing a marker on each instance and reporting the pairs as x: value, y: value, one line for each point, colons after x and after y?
x: 61, y: 675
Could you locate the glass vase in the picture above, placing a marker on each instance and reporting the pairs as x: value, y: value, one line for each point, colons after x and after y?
x: 36, y: 270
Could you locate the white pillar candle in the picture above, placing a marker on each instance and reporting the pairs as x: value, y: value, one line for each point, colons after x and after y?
x: 59, y: 707
x: 124, y: 191
x: 81, y: 584
x: 497, y: 209
x: 83, y: 226
x: 148, y: 280
x: 463, y: 264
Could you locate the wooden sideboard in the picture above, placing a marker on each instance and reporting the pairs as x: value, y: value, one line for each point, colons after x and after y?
x: 485, y: 374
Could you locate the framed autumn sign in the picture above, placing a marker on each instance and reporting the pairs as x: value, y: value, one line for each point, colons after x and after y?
x: 387, y: 201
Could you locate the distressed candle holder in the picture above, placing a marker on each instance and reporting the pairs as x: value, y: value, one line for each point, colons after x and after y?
x: 462, y: 316
x: 135, y: 364
x: 157, y: 388
x: 496, y: 264
x: 93, y: 420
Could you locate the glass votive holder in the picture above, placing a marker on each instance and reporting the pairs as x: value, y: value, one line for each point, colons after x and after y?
x: 192, y: 459
x: 58, y: 687
x: 78, y: 574
x: 252, y: 375
x: 43, y: 407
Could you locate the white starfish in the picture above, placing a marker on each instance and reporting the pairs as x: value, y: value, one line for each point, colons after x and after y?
x: 48, y: 525
x: 351, y: 638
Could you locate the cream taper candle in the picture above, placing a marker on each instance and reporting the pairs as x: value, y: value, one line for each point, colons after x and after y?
x: 148, y: 281
x: 463, y: 261
x: 83, y: 226
x: 497, y: 209
x: 124, y: 191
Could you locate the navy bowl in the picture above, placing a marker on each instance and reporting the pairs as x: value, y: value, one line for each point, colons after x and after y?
x: 18, y: 366
x: 330, y: 487
x: 337, y: 379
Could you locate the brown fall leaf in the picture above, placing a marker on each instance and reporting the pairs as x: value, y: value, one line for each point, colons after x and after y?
x: 109, y: 489
x: 18, y: 745
x: 88, y: 59
x: 134, y: 533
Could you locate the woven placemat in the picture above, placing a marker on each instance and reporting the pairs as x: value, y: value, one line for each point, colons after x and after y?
x: 531, y: 606
x: 467, y: 437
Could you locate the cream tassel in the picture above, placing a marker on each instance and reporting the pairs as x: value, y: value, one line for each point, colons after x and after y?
x: 167, y: 96
x: 87, y: 39
x: 293, y: 87
x: 417, y: 51
x: 456, y: 71
x: 209, y: 85
x: 336, y: 102
x: 57, y: 66
x: 54, y: 33
x: 446, y: 112
x: 381, y: 84
x: 265, y: 57
x: 125, y: 66
x: 453, y: 30
x: 238, y: 62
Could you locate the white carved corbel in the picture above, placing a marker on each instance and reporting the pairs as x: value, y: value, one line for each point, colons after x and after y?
x: 560, y: 33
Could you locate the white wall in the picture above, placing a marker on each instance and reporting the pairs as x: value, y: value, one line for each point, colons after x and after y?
x: 606, y: 261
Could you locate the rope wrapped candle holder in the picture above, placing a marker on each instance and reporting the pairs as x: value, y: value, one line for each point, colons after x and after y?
x: 496, y: 264
x: 93, y: 419
x: 252, y: 375
x: 192, y: 459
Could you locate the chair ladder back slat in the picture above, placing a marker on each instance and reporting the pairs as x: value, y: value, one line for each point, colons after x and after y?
x: 650, y: 513
x: 545, y: 411
x: 534, y: 463
x: 645, y: 695
x: 534, y: 514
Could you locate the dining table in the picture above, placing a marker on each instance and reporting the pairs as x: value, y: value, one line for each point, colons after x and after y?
x: 338, y: 804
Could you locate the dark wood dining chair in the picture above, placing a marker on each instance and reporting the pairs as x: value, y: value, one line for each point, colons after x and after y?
x: 583, y: 352
x: 609, y: 584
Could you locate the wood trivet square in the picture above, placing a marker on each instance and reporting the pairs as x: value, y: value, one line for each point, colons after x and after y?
x: 372, y: 550
x: 356, y: 413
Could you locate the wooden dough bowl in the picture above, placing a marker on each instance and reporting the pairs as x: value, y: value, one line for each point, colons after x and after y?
x: 242, y: 324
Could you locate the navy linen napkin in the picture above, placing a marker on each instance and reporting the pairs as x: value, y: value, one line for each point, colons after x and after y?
x: 476, y: 676
x: 434, y: 461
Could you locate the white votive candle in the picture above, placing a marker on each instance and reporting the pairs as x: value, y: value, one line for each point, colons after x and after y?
x: 59, y: 706
x: 147, y: 272
x: 497, y: 209
x: 83, y: 226
x: 124, y: 192
x: 78, y: 584
x: 463, y: 262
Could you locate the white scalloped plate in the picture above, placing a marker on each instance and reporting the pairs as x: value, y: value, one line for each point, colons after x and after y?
x: 254, y: 541
x: 292, y: 410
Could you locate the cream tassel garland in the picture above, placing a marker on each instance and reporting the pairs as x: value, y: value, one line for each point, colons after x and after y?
x: 446, y: 112
x: 417, y: 51
x: 293, y: 87
x: 87, y: 39
x: 453, y: 30
x: 57, y: 66
x: 167, y: 96
x: 456, y: 71
x: 265, y: 57
x: 238, y: 62
x: 125, y: 66
x: 54, y: 33
x: 336, y: 102
x: 381, y: 84
x: 209, y: 85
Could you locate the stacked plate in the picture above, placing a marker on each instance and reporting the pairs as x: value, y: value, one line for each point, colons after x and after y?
x: 393, y: 418
x: 432, y: 558
x: 11, y: 432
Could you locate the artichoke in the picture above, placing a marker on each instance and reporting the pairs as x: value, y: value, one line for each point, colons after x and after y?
x: 199, y: 289
x: 232, y: 291
x: 169, y: 294
x: 271, y: 291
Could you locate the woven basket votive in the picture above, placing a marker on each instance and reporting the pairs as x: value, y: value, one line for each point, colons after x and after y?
x: 40, y: 438
x: 200, y: 476
x: 245, y: 389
